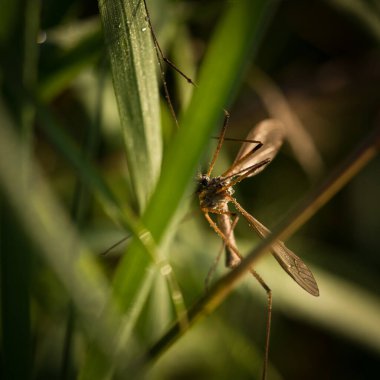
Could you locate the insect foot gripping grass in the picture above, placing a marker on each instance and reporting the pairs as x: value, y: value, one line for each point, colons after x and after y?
x: 215, y: 194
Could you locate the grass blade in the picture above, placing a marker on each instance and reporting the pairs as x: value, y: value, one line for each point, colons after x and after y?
x: 57, y: 242
x: 133, y: 65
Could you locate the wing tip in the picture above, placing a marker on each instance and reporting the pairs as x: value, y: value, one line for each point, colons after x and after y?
x: 315, y: 292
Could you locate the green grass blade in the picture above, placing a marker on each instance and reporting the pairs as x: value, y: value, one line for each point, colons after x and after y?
x: 20, y: 25
x: 57, y: 242
x: 133, y: 64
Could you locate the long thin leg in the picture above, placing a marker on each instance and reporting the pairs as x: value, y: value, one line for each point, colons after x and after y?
x: 213, y: 267
x: 261, y: 282
x: 268, y: 323
x: 161, y: 57
x: 240, y: 177
x: 216, y: 261
x: 104, y: 253
x: 158, y: 47
x: 259, y: 144
x: 225, y: 239
x: 220, y: 142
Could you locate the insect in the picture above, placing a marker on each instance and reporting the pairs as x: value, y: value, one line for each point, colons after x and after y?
x: 215, y: 194
x: 258, y: 150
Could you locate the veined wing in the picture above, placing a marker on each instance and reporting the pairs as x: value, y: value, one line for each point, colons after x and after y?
x: 290, y: 262
x: 270, y: 133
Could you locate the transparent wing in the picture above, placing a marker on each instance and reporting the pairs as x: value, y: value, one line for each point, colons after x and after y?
x: 270, y: 133
x: 290, y: 262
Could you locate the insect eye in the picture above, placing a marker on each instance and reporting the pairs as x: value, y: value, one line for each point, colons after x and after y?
x: 204, y: 181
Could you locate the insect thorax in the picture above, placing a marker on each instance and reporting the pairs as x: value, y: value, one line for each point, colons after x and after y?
x: 214, y: 192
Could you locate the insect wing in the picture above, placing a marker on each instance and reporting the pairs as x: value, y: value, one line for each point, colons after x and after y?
x: 296, y: 268
x: 290, y: 262
x: 270, y: 133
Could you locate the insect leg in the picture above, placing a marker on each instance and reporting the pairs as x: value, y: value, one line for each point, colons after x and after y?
x: 104, y: 253
x: 220, y: 142
x: 268, y: 291
x: 244, y: 174
x: 228, y: 240
x: 161, y: 57
x: 215, y: 263
x: 269, y: 320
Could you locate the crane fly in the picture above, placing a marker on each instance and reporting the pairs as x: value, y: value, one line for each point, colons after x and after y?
x: 258, y: 150
x: 215, y: 194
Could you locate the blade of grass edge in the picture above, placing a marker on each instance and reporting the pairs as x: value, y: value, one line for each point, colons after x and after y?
x: 133, y: 65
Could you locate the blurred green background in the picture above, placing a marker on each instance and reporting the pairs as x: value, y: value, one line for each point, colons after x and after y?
x: 68, y: 193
